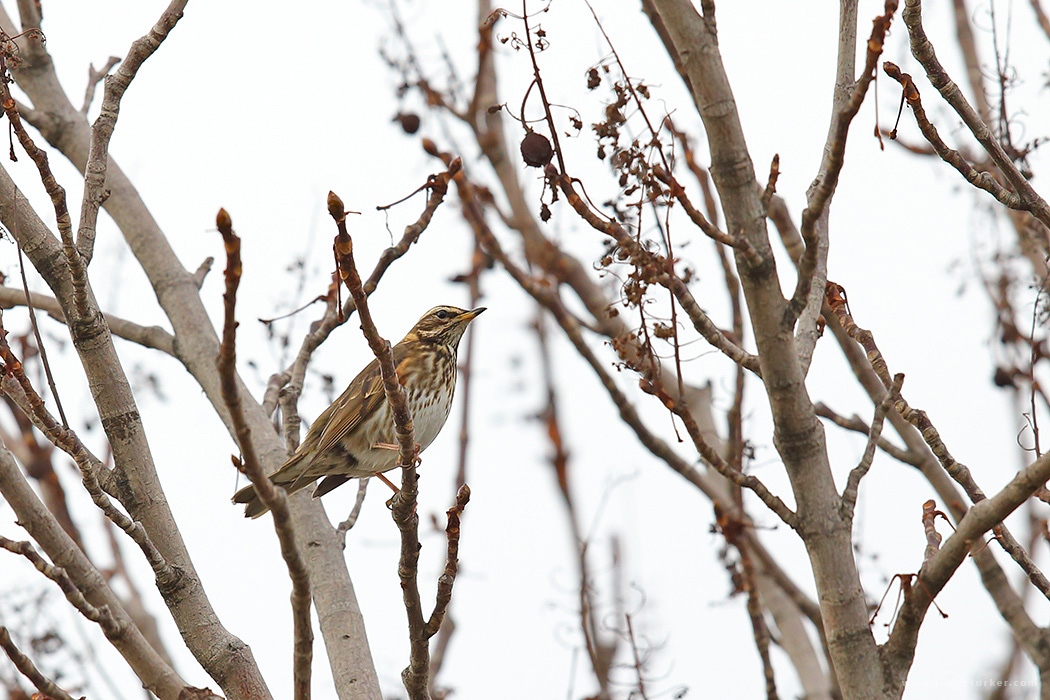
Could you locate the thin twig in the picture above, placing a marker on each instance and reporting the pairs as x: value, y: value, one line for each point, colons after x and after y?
x: 538, y: 81
x: 637, y: 658
x: 44, y: 684
x: 836, y: 158
x: 448, y: 578
x: 601, y: 652
x: 734, y: 531
x: 100, y: 616
x: 274, y: 500
x: 712, y: 457
x: 351, y: 519
x: 859, y: 426
x: 983, y: 180
x: 709, y: 229
x: 417, y: 674
x: 94, y: 78
x: 153, y: 337
x: 39, y: 340
x: 478, y: 262
x: 102, y: 130
x: 924, y: 53
x: 849, y: 494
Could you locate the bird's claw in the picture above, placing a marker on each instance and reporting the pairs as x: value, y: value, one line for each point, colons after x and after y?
x: 416, y: 460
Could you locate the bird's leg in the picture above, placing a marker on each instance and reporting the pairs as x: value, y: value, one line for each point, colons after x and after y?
x: 389, y: 483
x: 388, y: 446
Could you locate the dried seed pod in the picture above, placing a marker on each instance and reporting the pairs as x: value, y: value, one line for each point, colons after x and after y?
x: 593, y: 79
x: 409, y: 122
x: 536, y: 150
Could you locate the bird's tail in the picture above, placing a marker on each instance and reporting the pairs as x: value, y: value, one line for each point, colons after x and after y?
x: 287, y: 476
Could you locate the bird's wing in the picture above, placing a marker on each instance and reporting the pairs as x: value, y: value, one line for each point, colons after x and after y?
x: 361, y: 399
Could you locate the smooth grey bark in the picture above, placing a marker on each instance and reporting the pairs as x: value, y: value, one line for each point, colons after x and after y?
x: 134, y: 479
x: 691, y: 41
x: 156, y: 675
x: 196, y: 346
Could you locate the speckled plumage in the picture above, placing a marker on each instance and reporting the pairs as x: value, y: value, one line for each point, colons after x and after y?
x: 342, y: 443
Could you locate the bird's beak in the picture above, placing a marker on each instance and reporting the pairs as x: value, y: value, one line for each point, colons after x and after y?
x: 468, y: 316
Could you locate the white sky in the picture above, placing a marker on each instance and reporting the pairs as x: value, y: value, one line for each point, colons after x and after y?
x: 263, y: 110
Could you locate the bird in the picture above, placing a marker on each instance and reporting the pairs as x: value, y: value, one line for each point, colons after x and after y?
x: 355, y: 437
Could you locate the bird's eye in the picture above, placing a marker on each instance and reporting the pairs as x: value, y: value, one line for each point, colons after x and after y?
x: 441, y: 313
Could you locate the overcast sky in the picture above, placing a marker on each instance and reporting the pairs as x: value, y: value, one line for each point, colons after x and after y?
x: 264, y: 110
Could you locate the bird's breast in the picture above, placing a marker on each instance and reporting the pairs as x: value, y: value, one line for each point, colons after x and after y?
x: 430, y: 409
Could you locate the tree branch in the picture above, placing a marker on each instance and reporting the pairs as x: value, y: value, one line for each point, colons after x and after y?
x: 924, y: 53
x: 98, y: 150
x: 273, y: 499
x: 849, y: 494
x: 44, y: 684
x: 828, y: 178
x: 41, y: 525
x: 983, y: 180
x: 417, y: 674
x: 153, y: 337
x: 939, y: 568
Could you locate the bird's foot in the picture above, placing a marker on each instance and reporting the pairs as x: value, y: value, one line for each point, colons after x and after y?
x: 388, y: 446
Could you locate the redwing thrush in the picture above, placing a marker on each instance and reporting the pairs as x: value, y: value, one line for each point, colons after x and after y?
x: 355, y: 436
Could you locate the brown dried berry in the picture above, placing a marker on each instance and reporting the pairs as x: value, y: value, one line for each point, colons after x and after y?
x: 593, y: 79
x: 409, y: 122
x: 1003, y: 377
x: 536, y: 150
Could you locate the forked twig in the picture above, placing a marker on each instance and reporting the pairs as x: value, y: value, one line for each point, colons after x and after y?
x: 417, y: 674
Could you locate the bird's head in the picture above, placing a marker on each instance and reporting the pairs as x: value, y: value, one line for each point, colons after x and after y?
x: 443, y: 324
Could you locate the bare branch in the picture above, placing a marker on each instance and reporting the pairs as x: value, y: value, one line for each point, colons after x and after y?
x: 98, y: 151
x: 417, y: 674
x: 983, y: 180
x: 351, y: 520
x: 716, y: 461
x: 91, y: 469
x: 709, y: 229
x: 858, y: 426
x: 939, y: 568
x: 924, y: 53
x: 100, y: 616
x: 44, y: 684
x: 829, y: 176
x: 958, y: 471
x: 448, y: 578
x: 153, y: 337
x: 849, y: 494
x: 933, y: 538
x: 41, y: 525
x: 202, y: 271
x: 94, y: 78
x: 1041, y: 18
x: 268, y: 493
